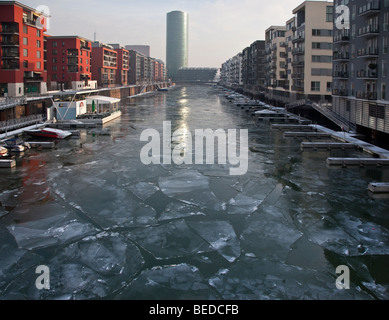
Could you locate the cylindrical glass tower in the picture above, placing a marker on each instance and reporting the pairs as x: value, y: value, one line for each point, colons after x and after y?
x: 176, y: 42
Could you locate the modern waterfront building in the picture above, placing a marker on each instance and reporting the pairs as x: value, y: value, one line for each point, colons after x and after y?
x: 104, y: 64
x: 22, y: 51
x: 275, y: 53
x: 312, y: 50
x: 69, y: 63
x: 231, y: 72
x: 253, y: 69
x: 176, y: 42
x: 123, y: 64
x: 145, y: 70
x: 360, y: 67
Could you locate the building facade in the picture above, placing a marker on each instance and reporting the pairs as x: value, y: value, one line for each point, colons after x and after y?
x: 143, y: 49
x: 123, y: 64
x: 312, y: 50
x: 22, y: 51
x: 69, y: 63
x: 176, y: 42
x: 104, y: 64
x: 360, y: 68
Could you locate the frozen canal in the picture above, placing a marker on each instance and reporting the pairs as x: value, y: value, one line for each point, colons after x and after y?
x: 109, y: 227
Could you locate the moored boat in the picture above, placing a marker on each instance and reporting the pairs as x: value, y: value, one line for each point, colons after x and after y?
x: 49, y: 133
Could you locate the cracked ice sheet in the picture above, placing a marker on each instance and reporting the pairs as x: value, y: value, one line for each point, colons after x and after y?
x: 179, y: 210
x: 191, y: 187
x: 268, y: 234
x: 171, y: 240
x: 262, y: 279
x: 114, y: 208
x: 221, y: 236
x: 92, y: 268
x: 143, y: 190
x: 13, y: 261
x: 50, y: 231
x: 176, y: 282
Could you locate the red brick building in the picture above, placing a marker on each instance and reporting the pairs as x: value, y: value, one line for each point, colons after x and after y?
x: 104, y: 64
x: 69, y: 63
x: 22, y: 51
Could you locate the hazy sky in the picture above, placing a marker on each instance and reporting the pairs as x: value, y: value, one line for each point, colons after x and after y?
x: 218, y: 29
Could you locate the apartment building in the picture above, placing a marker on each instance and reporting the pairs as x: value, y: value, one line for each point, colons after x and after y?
x: 312, y: 51
x: 361, y: 56
x: 123, y: 64
x: 276, y: 57
x: 289, y: 34
x: 253, y: 69
x: 104, y: 64
x: 231, y: 72
x: 22, y: 51
x: 69, y: 63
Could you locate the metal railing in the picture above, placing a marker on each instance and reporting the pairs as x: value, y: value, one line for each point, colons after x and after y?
x: 6, y: 103
x: 14, y: 124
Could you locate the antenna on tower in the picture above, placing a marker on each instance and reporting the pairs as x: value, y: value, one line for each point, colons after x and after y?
x: 95, y: 36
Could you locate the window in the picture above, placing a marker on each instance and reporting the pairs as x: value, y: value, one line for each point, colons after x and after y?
x: 315, y: 86
x: 25, y: 29
x: 384, y: 69
x: 38, y: 54
x: 25, y: 41
x: 54, y: 76
x: 330, y: 14
x: 38, y: 33
x: 55, y: 68
x: 38, y: 43
x: 25, y: 64
x: 377, y: 111
x: 324, y: 59
x: 55, y: 44
x: 38, y: 65
x: 329, y: 86
x: 383, y: 91
x: 25, y: 52
x: 322, y: 45
x: 55, y: 52
x: 54, y: 60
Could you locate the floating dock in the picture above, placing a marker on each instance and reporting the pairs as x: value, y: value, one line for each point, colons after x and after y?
x: 362, y: 162
x: 293, y: 127
x: 328, y: 145
x: 307, y: 135
x: 7, y: 163
x: 43, y: 145
x: 376, y: 187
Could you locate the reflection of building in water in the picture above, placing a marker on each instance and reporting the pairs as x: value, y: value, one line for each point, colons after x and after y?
x: 196, y: 75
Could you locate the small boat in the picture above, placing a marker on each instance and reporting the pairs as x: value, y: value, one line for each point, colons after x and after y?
x: 49, y: 133
x: 163, y: 89
x: 3, y: 151
x: 16, y: 145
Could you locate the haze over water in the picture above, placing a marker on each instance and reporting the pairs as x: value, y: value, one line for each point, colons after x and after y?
x: 110, y: 227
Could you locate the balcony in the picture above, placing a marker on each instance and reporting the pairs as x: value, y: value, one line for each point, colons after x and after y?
x: 341, y: 56
x: 10, y: 54
x: 367, y: 95
x: 9, y: 64
x: 340, y: 92
x: 299, y: 38
x: 283, y: 44
x: 72, y: 53
x: 297, y: 51
x: 368, y: 52
x: 362, y: 74
x: 298, y: 88
x: 300, y: 75
x: 369, y: 31
x: 10, y: 41
x: 298, y: 63
x: 34, y: 77
x: 372, y: 7
x: 344, y: 37
x: 341, y: 74
x: 10, y: 28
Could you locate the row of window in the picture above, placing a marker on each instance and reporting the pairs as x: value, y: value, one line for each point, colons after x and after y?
x: 55, y: 60
x: 38, y: 31
x: 72, y: 52
x: 55, y: 68
x: 38, y: 42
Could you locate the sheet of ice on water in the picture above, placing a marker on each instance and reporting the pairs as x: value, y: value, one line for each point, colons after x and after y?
x: 263, y: 279
x: 170, y: 240
x: 221, y: 235
x: 51, y: 231
x: 191, y: 187
x: 176, y: 282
